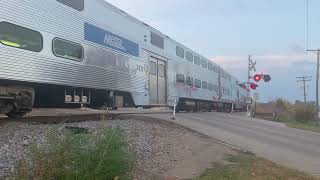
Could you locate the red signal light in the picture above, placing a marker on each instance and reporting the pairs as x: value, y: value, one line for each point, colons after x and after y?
x: 253, y: 86
x: 257, y: 77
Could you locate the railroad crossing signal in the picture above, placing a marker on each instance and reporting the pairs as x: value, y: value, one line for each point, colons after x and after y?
x: 267, y: 78
x: 252, y: 65
x: 253, y: 86
x: 257, y: 77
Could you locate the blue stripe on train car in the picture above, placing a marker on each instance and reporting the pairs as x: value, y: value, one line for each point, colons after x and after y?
x: 110, y: 40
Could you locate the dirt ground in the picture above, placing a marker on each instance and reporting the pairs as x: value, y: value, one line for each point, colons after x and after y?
x: 162, y: 149
x: 172, y: 152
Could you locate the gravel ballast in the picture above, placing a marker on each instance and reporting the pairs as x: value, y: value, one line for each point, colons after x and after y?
x: 162, y: 149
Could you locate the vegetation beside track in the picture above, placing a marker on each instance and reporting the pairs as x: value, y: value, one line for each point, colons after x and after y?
x: 76, y: 155
x: 298, y: 115
x: 247, y: 166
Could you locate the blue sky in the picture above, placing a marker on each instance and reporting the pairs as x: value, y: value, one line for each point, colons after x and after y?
x: 226, y: 31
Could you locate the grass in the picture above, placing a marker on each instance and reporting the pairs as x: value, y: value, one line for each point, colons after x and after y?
x: 79, y: 156
x: 246, y: 166
x: 298, y: 115
x: 308, y: 126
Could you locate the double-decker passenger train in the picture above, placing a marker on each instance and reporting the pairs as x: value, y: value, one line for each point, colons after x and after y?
x: 61, y: 52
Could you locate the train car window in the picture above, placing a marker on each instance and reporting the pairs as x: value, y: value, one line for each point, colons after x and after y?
x: 204, y: 85
x: 153, y: 68
x: 20, y: 37
x: 189, y: 56
x: 210, y: 66
x: 157, y: 40
x: 210, y: 87
x: 180, y: 52
x: 180, y: 78
x: 190, y: 81
x: 162, y: 70
x: 223, y: 74
x: 216, y: 88
x: 197, y: 60
x: 216, y: 69
x: 204, y: 63
x: 197, y: 83
x: 67, y: 49
x: 75, y: 4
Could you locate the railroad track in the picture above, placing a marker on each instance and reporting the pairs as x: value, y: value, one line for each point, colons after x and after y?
x: 71, y: 118
x: 61, y: 119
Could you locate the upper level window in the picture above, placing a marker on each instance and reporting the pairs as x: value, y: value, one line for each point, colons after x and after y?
x: 197, y: 60
x: 180, y: 52
x: 189, y: 81
x: 75, y: 4
x: 204, y: 85
x: 223, y: 74
x: 204, y: 63
x: 20, y: 37
x: 197, y: 83
x: 216, y: 69
x: 210, y: 66
x: 189, y: 56
x: 67, y: 49
x: 180, y: 78
x: 157, y: 40
x: 229, y: 77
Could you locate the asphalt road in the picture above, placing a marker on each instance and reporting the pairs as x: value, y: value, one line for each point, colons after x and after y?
x: 293, y: 148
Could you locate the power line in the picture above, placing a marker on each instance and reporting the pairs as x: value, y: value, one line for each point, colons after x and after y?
x: 304, y: 80
x: 307, y: 24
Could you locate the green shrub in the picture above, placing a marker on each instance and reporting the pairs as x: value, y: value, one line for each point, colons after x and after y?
x: 288, y: 112
x: 283, y: 105
x: 304, y: 112
x: 79, y: 156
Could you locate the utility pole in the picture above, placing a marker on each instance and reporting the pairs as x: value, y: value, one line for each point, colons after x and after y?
x: 317, y: 79
x: 304, y: 80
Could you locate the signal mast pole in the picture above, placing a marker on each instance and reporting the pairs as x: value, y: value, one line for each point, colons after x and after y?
x: 249, y: 70
x: 248, y: 84
x: 250, y: 65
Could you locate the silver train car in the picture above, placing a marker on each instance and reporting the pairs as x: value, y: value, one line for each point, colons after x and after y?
x: 56, y: 53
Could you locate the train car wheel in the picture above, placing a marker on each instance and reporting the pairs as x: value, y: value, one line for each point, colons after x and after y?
x: 16, y: 115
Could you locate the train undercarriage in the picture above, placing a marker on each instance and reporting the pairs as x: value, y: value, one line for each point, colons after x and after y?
x: 194, y: 105
x: 17, y: 101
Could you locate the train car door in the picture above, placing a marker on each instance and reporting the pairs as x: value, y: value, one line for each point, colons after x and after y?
x: 158, y: 82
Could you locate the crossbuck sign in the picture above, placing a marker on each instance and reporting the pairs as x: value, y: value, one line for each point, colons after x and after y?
x: 252, y: 65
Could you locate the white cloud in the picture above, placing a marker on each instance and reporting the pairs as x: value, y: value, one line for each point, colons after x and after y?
x: 267, y: 62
